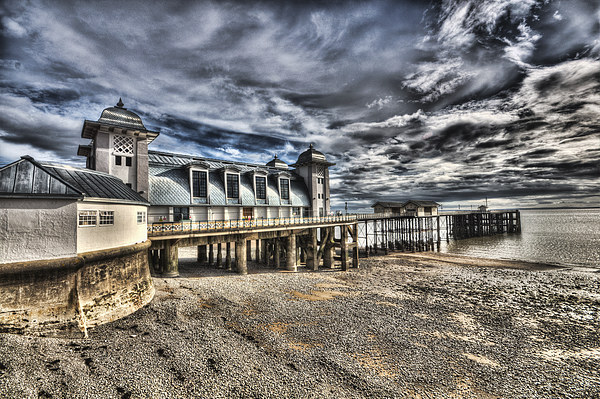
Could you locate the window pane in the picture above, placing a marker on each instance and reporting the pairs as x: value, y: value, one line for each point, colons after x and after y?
x: 87, y: 218
x: 261, y: 187
x: 117, y: 160
x: 107, y: 217
x: 233, y: 186
x: 199, y: 183
x: 128, y: 161
x: 285, y: 188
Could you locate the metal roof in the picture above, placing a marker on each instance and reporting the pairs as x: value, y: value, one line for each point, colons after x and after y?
x: 169, y: 182
x: 120, y: 116
x: 30, y: 178
x: 403, y: 204
x: 312, y: 156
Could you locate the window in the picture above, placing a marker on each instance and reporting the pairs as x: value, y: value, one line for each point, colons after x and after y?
x: 285, y: 188
x: 87, y: 218
x: 233, y: 186
x: 247, y: 213
x: 128, y: 161
x: 107, y: 218
x: 118, y: 160
x: 141, y: 217
x: 261, y: 187
x: 182, y: 213
x: 199, y: 183
x: 123, y: 144
x: 295, y: 211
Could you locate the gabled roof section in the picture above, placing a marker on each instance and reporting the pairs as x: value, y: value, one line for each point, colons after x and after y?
x: 26, y: 177
x: 30, y: 178
x: 388, y: 204
x: 421, y: 203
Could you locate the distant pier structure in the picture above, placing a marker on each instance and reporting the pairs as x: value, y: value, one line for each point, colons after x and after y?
x: 379, y: 233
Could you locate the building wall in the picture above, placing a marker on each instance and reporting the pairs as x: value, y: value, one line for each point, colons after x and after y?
x: 126, y: 173
x: 125, y: 230
x: 32, y: 229
x: 157, y: 212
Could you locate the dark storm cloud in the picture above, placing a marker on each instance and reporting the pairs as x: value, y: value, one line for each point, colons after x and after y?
x: 454, y: 100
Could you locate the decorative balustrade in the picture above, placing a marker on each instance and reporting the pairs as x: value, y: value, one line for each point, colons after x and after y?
x: 189, y: 226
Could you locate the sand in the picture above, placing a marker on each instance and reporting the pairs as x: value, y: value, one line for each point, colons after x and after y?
x: 416, y: 326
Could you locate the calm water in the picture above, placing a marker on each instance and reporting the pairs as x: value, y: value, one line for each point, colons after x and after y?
x: 569, y: 237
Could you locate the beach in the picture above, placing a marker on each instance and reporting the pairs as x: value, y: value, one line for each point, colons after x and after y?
x: 405, y: 325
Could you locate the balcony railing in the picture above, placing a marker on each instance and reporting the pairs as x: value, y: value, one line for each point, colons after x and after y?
x: 189, y: 226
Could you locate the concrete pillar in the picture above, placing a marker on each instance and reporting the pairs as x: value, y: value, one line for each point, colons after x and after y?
x: 219, y: 256
x: 155, y: 259
x: 291, y: 257
x: 211, y: 255
x: 257, y: 251
x: 344, y: 246
x: 240, y: 257
x: 249, y: 250
x: 328, y: 251
x: 312, y: 258
x: 264, y: 255
x: 202, y: 254
x: 170, y: 260
x: 355, y: 248
x: 228, y: 256
x: 277, y: 254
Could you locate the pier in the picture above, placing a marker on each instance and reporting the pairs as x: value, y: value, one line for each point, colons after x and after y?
x: 315, y: 241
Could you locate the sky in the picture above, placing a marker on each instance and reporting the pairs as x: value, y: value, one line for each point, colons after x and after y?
x: 452, y: 101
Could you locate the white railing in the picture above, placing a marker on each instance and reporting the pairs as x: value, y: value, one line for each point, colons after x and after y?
x: 184, y: 226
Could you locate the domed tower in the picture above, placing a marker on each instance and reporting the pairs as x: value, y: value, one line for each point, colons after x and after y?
x: 119, y: 146
x: 314, y: 168
x: 277, y: 163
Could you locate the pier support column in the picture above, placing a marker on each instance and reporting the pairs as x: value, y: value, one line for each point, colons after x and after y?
x: 202, y: 254
x: 211, y: 255
x: 291, y: 257
x: 219, y: 255
x: 277, y: 254
x: 228, y: 256
x: 328, y: 248
x: 257, y: 251
x: 312, y: 251
x: 249, y: 250
x: 169, y: 260
x: 355, y: 248
x: 155, y: 259
x: 344, y: 246
x: 240, y: 257
x: 264, y: 254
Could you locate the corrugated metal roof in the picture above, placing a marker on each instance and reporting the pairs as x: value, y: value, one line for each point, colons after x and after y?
x: 31, y: 178
x: 169, y: 181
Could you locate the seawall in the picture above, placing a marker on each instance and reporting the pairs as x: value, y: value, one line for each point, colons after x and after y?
x: 67, y: 296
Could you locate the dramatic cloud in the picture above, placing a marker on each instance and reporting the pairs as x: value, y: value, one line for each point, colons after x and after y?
x: 455, y: 100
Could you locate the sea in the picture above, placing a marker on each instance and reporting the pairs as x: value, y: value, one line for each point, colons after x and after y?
x: 564, y: 237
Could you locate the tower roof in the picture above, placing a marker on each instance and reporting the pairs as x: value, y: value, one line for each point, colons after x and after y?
x: 277, y: 163
x: 120, y: 116
x: 312, y: 156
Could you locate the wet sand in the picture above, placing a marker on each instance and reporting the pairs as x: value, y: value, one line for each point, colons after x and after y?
x: 416, y: 326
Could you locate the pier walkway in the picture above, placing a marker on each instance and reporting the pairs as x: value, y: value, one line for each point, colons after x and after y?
x: 289, y: 241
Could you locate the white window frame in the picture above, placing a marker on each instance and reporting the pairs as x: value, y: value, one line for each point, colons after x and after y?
x: 143, y: 217
x: 87, y: 213
x: 266, y: 177
x: 111, y: 218
x: 191, y: 178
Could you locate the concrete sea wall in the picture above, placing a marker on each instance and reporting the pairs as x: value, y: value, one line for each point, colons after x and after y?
x: 67, y: 296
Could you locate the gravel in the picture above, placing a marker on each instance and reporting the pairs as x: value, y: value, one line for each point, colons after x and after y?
x: 431, y: 326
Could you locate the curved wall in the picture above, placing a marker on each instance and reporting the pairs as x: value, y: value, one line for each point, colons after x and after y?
x: 68, y: 296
